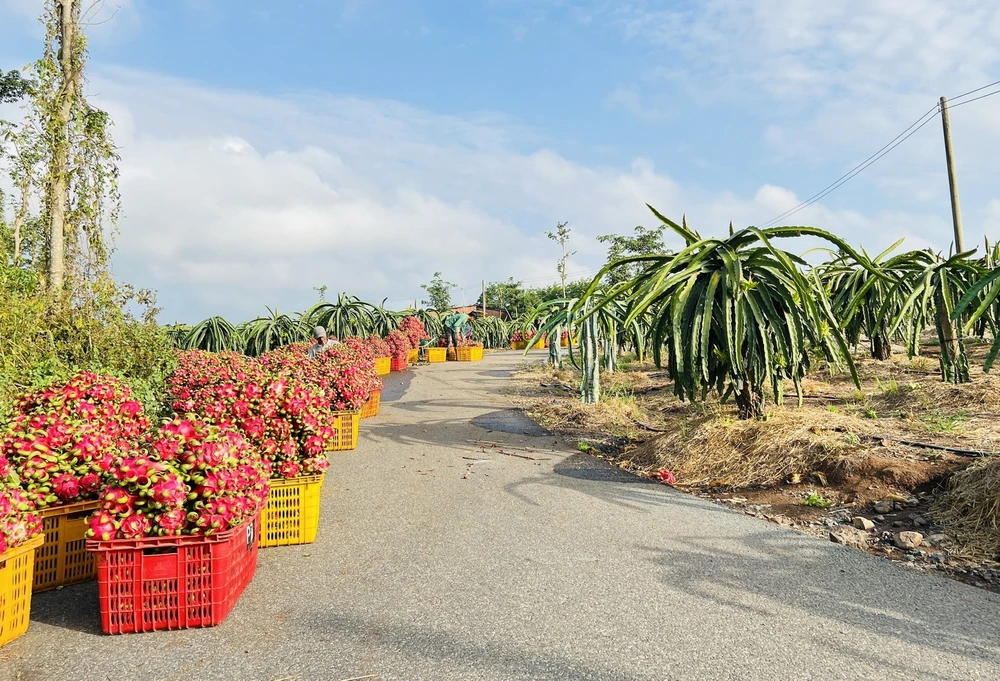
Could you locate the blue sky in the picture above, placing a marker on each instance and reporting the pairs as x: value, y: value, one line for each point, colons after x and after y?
x: 271, y: 147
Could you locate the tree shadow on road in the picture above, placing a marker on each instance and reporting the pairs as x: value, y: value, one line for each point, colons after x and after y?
x: 765, y: 571
x: 479, y: 658
x: 585, y: 474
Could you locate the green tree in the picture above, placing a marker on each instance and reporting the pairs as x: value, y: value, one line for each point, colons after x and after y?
x: 79, y: 173
x: 438, y: 293
x: 506, y: 295
x: 350, y: 316
x: 561, y: 237
x: 13, y: 87
x: 980, y: 303
x: 644, y: 242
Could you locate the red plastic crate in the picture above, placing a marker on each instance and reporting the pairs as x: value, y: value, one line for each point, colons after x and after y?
x: 398, y: 364
x: 173, y: 582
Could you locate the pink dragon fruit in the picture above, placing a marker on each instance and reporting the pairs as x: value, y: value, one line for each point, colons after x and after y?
x: 172, y: 522
x: 289, y: 469
x: 135, y: 469
x: 90, y: 483
x: 118, y: 501
x: 66, y: 486
x: 134, y: 526
x: 102, y: 526
x: 169, y: 491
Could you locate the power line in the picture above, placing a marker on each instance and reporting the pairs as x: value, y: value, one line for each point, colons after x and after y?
x: 895, y: 142
x: 974, y: 99
x: 966, y: 94
x: 930, y: 115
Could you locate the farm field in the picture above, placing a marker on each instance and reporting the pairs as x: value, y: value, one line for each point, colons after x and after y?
x: 814, y: 467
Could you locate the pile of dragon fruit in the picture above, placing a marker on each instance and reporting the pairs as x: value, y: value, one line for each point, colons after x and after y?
x: 284, y: 416
x: 238, y: 422
x: 414, y: 330
x: 18, y: 522
x: 345, y: 376
x: 62, y: 441
x: 192, y: 477
x: 399, y: 344
x: 377, y: 344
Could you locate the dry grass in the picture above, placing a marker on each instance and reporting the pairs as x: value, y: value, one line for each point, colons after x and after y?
x: 612, y: 421
x: 969, y: 509
x: 718, y: 451
x: 708, y: 448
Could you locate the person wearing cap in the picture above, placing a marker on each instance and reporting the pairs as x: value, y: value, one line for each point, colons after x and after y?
x: 455, y: 325
x: 322, y: 342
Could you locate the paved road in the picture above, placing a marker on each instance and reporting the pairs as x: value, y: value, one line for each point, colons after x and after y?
x: 561, y: 568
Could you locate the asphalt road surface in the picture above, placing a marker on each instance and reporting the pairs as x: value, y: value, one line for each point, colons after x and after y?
x: 439, y: 560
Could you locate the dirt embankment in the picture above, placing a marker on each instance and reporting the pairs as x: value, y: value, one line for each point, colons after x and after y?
x: 880, y: 453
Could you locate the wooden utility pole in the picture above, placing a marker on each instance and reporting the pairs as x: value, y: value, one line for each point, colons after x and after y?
x: 484, y: 297
x: 956, y: 211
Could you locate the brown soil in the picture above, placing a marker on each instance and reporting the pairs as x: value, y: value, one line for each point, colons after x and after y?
x: 841, y: 446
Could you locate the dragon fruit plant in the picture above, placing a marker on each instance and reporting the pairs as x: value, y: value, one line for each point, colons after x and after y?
x: 399, y: 344
x: 414, y: 330
x: 61, y: 441
x: 192, y: 477
x: 280, y: 413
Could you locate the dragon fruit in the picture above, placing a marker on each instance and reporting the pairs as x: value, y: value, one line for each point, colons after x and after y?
x: 289, y: 469
x: 134, y: 526
x: 66, y: 486
x: 169, y: 491
x: 171, y: 522
x: 102, y: 526
x: 213, y: 480
x: 18, y: 522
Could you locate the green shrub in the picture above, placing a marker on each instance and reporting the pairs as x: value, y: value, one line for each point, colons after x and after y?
x: 106, y: 327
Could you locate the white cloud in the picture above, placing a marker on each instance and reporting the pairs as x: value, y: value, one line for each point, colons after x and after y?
x: 234, y: 201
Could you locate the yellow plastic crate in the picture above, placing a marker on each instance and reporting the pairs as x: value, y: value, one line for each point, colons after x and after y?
x: 413, y: 356
x: 467, y: 354
x: 540, y: 344
x: 346, y: 423
x: 383, y: 365
x: 435, y: 355
x: 372, y: 406
x: 63, y: 559
x: 15, y: 588
x: 518, y: 345
x: 291, y: 515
